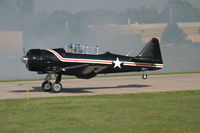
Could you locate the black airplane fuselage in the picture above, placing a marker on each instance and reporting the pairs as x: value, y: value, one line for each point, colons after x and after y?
x: 86, y: 66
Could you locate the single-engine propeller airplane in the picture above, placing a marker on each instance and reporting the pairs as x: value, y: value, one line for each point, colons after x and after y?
x: 86, y: 66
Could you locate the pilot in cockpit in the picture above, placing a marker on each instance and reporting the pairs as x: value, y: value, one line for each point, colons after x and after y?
x: 70, y: 49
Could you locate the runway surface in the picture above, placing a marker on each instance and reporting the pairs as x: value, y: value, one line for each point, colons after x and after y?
x: 98, y: 86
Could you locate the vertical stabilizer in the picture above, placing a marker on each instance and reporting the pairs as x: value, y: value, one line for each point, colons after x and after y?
x: 151, y: 51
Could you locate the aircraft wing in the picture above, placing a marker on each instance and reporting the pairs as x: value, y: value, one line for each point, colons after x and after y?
x: 75, y: 67
x: 85, y: 71
x: 92, y: 69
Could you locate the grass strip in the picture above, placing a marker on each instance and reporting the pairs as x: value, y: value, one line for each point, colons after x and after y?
x: 119, y: 113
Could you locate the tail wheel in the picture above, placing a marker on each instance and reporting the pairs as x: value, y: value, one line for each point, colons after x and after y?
x: 56, y: 87
x: 46, y: 86
x: 144, y: 76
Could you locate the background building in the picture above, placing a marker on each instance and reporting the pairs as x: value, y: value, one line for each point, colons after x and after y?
x: 147, y: 31
x: 11, y: 43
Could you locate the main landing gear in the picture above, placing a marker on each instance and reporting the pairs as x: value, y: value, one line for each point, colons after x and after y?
x: 56, y: 87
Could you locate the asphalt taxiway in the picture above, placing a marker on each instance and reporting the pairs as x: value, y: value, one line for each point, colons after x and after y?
x: 98, y: 86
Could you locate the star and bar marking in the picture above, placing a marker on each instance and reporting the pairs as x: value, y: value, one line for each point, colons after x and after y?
x: 117, y: 63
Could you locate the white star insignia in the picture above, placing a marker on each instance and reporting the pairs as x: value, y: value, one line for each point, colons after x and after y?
x: 117, y: 63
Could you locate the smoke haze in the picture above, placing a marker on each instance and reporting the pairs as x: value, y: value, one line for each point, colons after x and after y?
x: 52, y: 23
x: 74, y: 6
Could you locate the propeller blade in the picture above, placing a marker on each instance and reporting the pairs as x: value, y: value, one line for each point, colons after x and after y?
x: 24, y: 51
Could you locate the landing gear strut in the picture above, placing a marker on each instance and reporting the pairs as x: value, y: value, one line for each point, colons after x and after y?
x: 56, y: 87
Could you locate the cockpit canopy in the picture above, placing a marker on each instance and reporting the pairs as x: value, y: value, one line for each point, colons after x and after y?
x: 81, y: 49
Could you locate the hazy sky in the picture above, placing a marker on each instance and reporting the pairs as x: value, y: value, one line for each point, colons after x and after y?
x: 74, y: 6
x: 80, y: 5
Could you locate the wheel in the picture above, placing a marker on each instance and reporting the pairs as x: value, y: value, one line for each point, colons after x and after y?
x: 56, y: 87
x: 46, y: 86
x: 144, y: 76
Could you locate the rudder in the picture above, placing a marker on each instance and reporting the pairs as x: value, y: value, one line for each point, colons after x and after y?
x: 152, y: 51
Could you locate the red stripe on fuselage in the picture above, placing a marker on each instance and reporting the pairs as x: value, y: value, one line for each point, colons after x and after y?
x: 79, y: 60
x: 102, y: 61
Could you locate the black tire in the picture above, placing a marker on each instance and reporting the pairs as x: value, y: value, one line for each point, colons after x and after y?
x: 56, y: 87
x: 46, y: 86
x: 144, y: 76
